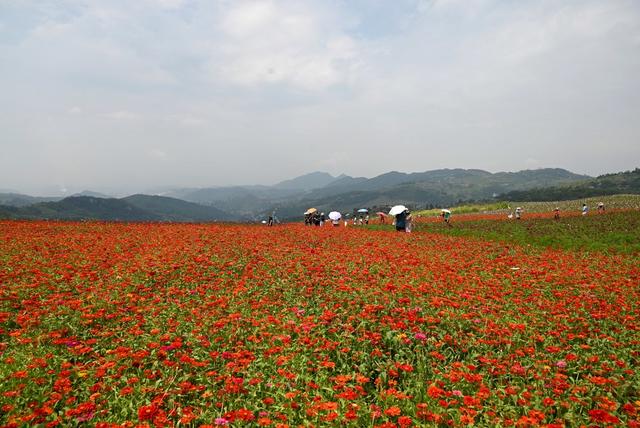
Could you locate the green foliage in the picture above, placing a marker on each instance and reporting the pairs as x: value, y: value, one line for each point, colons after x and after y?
x: 612, y: 232
x: 467, y: 209
x: 609, y: 184
x: 132, y: 208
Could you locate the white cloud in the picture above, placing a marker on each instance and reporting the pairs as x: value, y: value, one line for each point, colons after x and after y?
x: 170, y: 4
x: 186, y: 120
x: 158, y: 154
x: 266, y: 42
x: 227, y: 87
x: 122, y: 115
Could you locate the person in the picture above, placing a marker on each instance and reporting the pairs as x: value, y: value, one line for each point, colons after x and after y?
x: 382, y: 216
x: 556, y: 213
x: 601, y: 207
x: 401, y: 221
x: 585, y: 209
x: 446, y: 215
x: 316, y: 219
x: 409, y: 222
x: 323, y: 218
x: 270, y: 222
x: 518, y: 213
x: 366, y: 219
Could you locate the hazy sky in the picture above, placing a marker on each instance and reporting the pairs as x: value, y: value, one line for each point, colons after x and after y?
x: 126, y: 95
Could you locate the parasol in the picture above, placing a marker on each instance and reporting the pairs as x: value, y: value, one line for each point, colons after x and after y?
x: 394, y: 211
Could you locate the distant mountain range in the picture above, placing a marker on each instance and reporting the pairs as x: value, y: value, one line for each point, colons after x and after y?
x: 131, y: 208
x: 345, y: 193
x: 290, y: 198
x: 608, y: 184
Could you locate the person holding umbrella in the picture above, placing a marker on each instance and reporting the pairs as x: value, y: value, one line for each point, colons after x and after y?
x: 382, y: 216
x: 446, y: 216
x: 335, y: 217
x: 308, y: 216
x: 400, y: 212
x: 362, y: 212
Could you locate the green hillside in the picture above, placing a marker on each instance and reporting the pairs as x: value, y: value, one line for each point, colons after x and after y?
x: 608, y: 184
x: 132, y: 208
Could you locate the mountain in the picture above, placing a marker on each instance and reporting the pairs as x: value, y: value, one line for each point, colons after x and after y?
x: 20, y: 200
x: 82, y: 208
x: 241, y: 201
x: 132, y: 208
x: 92, y: 194
x: 430, y: 188
x: 345, y: 181
x: 309, y: 181
x: 290, y: 198
x: 171, y: 209
x: 608, y: 184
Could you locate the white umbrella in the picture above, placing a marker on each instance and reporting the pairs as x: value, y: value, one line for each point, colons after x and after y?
x: 363, y: 210
x: 394, y: 211
x: 335, y: 215
x: 446, y: 211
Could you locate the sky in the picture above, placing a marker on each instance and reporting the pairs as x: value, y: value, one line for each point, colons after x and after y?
x: 126, y: 96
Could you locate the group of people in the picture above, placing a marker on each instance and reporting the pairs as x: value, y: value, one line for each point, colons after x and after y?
x: 319, y: 219
x: 556, y: 211
x: 403, y: 220
x: 314, y: 219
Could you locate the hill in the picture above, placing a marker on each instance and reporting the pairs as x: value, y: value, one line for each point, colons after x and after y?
x: 310, y: 181
x: 290, y: 198
x: 133, y: 208
x: 20, y: 200
x: 430, y: 188
x: 608, y: 184
x: 171, y: 209
x: 345, y: 193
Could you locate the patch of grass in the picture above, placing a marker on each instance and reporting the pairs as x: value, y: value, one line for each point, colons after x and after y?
x: 617, y: 232
x: 467, y: 209
x: 610, y: 202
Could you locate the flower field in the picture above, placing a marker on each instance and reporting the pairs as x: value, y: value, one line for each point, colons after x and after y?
x: 107, y: 324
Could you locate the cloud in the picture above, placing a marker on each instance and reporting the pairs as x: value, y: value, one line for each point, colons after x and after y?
x: 169, y: 4
x: 121, y: 115
x: 361, y: 87
x: 158, y: 154
x: 267, y: 42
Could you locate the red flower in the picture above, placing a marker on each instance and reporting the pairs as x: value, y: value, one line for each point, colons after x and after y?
x: 598, y: 415
x: 147, y: 413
